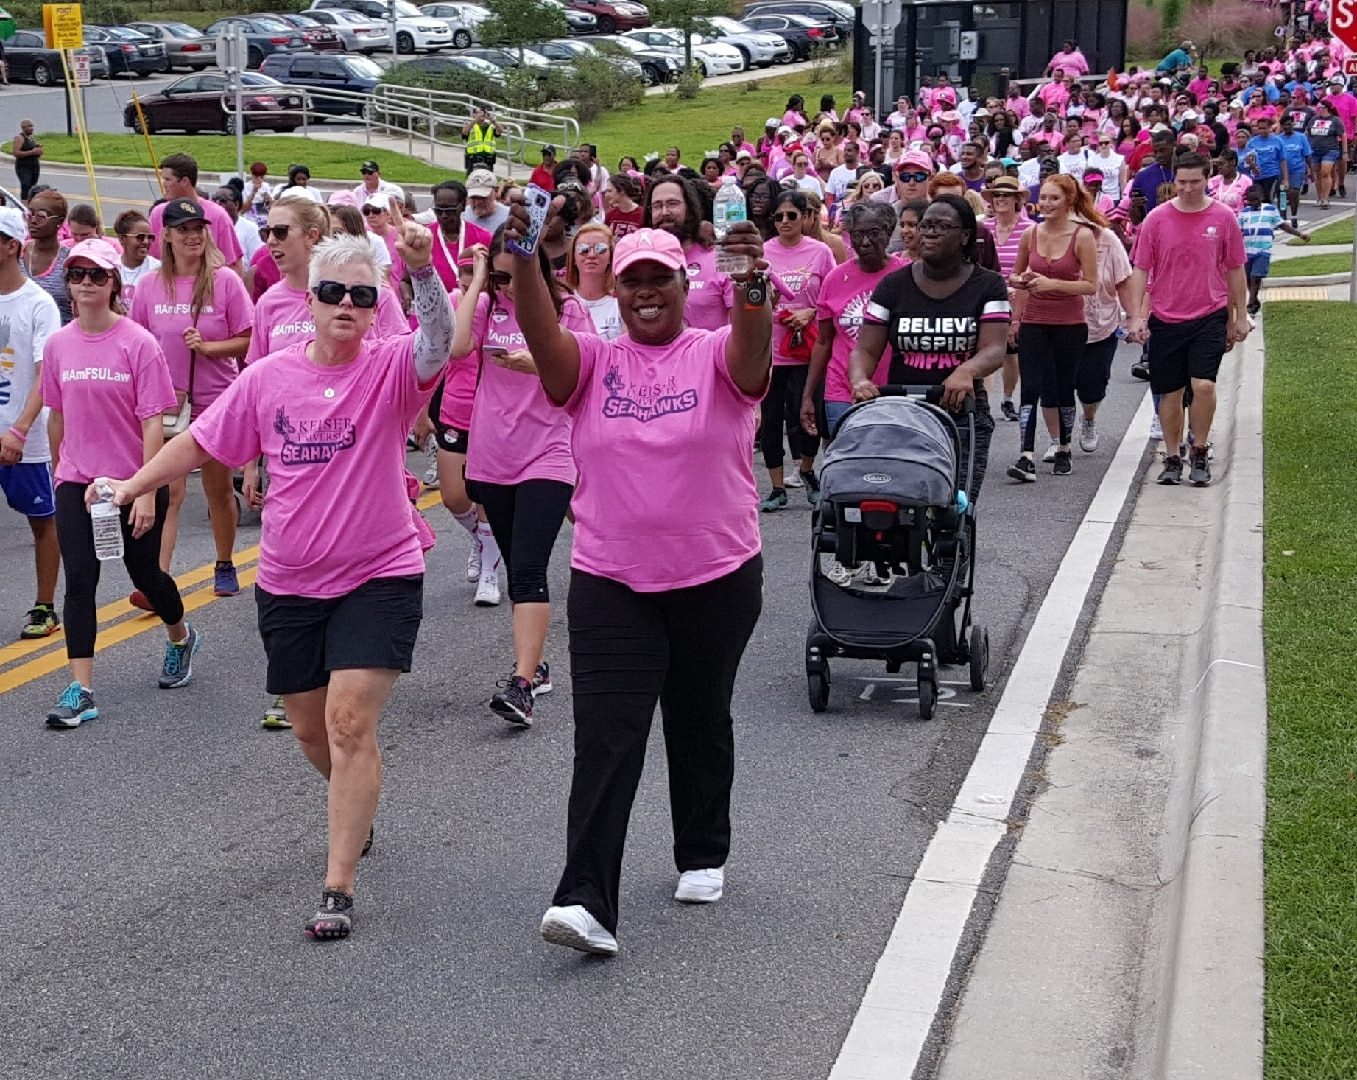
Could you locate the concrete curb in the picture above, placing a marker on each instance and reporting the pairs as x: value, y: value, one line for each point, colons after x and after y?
x: 1211, y: 1007
x: 1313, y: 279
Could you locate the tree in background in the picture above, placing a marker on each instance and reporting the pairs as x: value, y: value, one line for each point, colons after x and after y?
x: 689, y: 17
x: 519, y: 23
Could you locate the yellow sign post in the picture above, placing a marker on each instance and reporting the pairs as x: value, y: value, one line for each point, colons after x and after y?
x: 63, y: 26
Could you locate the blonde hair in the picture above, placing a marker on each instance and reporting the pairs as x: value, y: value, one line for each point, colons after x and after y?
x: 572, y: 270
x: 203, y: 281
x: 310, y: 215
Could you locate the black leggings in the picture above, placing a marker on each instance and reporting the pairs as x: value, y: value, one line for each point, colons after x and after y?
x: 526, y: 519
x: 627, y: 651
x: 781, y: 408
x: 75, y: 536
x: 1048, y: 357
x: 1095, y: 370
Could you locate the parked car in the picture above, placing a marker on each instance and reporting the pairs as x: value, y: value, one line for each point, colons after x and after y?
x: 711, y: 58
x: 829, y: 12
x: 30, y: 60
x: 357, y: 33
x: 506, y: 58
x: 198, y: 103
x: 415, y: 31
x: 264, y: 36
x: 317, y: 36
x: 653, y: 70
x: 759, y: 49
x: 352, y: 74
x: 614, y: 15
x: 464, y: 28
x: 442, y: 65
x: 185, y: 46
x: 128, y: 51
x: 801, y: 33
x: 577, y: 22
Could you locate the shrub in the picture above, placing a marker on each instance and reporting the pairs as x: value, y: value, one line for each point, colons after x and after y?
x: 689, y: 83
x: 1144, y: 30
x: 598, y: 86
x: 1228, y: 27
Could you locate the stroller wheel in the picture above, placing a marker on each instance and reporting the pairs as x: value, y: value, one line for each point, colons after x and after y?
x: 928, y: 696
x: 979, y: 657
x: 817, y: 684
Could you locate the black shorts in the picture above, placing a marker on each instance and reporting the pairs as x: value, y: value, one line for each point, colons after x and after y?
x: 305, y: 639
x: 1181, y: 352
x: 451, y: 439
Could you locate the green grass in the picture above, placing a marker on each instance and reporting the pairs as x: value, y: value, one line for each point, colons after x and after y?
x: 217, y: 153
x: 1337, y: 262
x: 1339, y: 232
x: 701, y: 124
x: 1310, y: 612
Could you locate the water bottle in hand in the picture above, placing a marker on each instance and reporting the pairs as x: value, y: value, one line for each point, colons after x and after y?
x: 727, y: 208
x: 108, y: 527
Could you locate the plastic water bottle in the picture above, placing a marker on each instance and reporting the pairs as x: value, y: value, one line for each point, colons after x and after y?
x: 727, y: 208
x: 108, y: 527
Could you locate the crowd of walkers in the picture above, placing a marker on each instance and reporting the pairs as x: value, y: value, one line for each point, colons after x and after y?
x: 291, y: 347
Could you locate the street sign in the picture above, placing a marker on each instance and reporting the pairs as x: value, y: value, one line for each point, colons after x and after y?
x: 82, y: 68
x: 1344, y: 22
x: 63, y: 26
x: 1350, y: 66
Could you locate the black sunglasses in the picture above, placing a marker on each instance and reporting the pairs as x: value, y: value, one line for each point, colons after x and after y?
x: 278, y: 232
x: 917, y: 177
x: 96, y: 274
x: 499, y: 278
x: 333, y: 292
x: 444, y: 211
x: 369, y: 211
x: 790, y: 215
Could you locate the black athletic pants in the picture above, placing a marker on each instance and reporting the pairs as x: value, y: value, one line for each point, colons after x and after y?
x: 1048, y: 358
x: 526, y: 519
x: 629, y: 650
x: 75, y: 536
x: 1095, y: 370
x: 781, y: 408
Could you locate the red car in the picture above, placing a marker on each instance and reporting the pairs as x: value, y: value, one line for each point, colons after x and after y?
x: 199, y: 103
x: 614, y: 16
x: 317, y: 35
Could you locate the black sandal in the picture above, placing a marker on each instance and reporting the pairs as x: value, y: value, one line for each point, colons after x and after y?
x: 334, y: 920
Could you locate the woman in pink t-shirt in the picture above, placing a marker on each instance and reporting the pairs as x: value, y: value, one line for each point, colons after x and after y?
x: 341, y: 564
x: 519, y: 468
x: 666, y: 575
x: 198, y: 311
x: 106, y: 383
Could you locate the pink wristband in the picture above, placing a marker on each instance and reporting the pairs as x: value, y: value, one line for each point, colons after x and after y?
x: 18, y: 434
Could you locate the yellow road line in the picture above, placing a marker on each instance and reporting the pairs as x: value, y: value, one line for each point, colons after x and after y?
x: 50, y: 662
x: 121, y: 608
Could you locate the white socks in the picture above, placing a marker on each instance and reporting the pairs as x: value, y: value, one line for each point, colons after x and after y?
x: 468, y: 519
x: 490, y: 556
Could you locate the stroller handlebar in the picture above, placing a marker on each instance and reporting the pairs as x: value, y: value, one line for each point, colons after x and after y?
x: 931, y: 393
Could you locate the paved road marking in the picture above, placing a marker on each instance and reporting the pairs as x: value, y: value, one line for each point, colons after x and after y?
x: 897, y: 1012
x: 1295, y: 292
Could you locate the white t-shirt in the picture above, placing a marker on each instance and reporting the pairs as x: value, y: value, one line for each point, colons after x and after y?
x: 1029, y: 172
x: 607, y: 318
x: 131, y: 276
x: 811, y: 183
x: 384, y: 187
x: 28, y: 317
x: 1111, y: 167
x: 380, y: 251
x: 840, y: 178
x: 1073, y: 164
x: 248, y: 232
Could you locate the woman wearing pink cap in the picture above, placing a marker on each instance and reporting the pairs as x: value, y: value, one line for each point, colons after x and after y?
x: 200, y: 314
x: 666, y: 571
x: 106, y: 383
x: 340, y: 595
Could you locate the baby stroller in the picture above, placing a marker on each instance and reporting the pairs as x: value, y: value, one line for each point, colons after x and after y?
x: 893, y: 543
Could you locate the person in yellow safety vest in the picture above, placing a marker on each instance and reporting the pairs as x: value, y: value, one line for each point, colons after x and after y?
x: 480, y: 133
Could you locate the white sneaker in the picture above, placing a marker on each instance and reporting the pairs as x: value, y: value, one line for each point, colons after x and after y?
x: 1088, y: 436
x: 575, y: 928
x: 1049, y: 456
x: 487, y: 589
x: 1156, y: 429
x: 701, y: 886
x: 473, y: 560
x: 839, y: 575
x: 791, y: 478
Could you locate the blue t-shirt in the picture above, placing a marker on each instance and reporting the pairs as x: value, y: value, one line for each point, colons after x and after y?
x: 1268, y: 152
x: 1259, y: 226
x: 1296, y: 149
x: 1176, y: 59
x: 1148, y: 180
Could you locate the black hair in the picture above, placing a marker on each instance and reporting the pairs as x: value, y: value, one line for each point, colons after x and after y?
x: 793, y: 196
x: 693, y: 207
x: 543, y: 262
x: 455, y: 186
x: 761, y: 182
x: 796, y: 103
x: 826, y: 102
x: 970, y: 250
x: 572, y: 169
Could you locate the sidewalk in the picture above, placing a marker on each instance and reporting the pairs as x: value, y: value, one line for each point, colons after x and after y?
x: 1127, y: 939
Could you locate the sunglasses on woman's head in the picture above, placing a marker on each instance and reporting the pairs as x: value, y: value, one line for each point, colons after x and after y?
x: 97, y: 275
x: 598, y: 247
x: 278, y: 232
x: 333, y: 292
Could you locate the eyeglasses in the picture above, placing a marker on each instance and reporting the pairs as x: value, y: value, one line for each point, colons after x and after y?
x: 333, y: 292
x: 914, y: 177
x: 790, y: 215
x: 278, y: 232
x: 598, y: 247
x: 370, y: 211
x: 499, y: 279
x: 41, y: 215
x: 448, y: 211
x: 139, y: 237
x: 97, y: 275
x: 936, y: 228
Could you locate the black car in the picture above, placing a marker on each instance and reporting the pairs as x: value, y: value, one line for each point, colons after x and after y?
x: 802, y: 34
x: 30, y: 60
x: 264, y: 36
x: 128, y: 51
x: 351, y: 74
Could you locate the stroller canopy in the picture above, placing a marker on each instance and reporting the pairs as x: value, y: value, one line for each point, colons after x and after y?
x: 892, y: 448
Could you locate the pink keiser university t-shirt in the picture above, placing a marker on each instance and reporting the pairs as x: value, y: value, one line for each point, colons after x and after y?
x: 104, y: 385
x: 666, y: 496
x: 517, y: 434
x: 227, y: 313
x: 337, y: 514
x: 282, y: 318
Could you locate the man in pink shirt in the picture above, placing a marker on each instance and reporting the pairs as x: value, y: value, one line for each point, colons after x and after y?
x: 179, y: 179
x: 1192, y: 249
x: 1056, y: 92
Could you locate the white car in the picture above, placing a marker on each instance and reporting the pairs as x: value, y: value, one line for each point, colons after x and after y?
x: 464, y: 20
x: 714, y: 57
x: 415, y: 31
x: 760, y: 49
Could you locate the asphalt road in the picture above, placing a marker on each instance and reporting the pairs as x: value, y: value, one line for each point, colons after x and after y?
x: 159, y: 862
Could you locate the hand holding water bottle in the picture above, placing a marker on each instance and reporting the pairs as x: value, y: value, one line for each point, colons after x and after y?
x: 106, y: 492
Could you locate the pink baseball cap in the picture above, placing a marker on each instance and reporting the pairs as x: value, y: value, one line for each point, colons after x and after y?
x: 648, y: 245
x: 98, y: 250
x: 916, y: 158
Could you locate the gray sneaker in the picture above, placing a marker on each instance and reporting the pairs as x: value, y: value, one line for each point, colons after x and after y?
x: 177, y: 670
x: 1200, y: 474
x: 1088, y: 436
x: 73, y: 708
x: 1049, y: 456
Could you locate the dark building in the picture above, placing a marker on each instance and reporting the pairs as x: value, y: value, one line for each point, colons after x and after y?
x: 983, y: 45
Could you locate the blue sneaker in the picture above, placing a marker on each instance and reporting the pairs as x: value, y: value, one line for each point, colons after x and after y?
x: 177, y: 669
x: 73, y: 708
x: 224, y: 580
